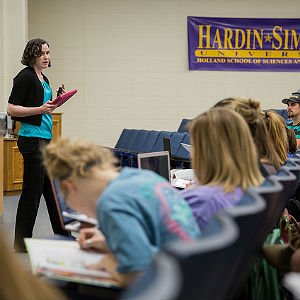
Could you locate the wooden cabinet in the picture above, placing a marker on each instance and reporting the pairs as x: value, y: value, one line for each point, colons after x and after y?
x: 1, y: 180
x: 13, y: 166
x: 13, y: 161
x: 56, y: 129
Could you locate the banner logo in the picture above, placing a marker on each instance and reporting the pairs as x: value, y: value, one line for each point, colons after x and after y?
x: 244, y: 44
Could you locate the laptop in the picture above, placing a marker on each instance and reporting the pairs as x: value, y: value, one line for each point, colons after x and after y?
x: 159, y: 162
x: 70, y: 219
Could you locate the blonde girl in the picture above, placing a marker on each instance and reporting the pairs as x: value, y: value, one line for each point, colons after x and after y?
x: 278, y: 134
x: 224, y: 160
x: 250, y: 110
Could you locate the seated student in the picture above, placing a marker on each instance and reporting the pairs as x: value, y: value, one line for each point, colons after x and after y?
x: 137, y: 210
x: 286, y: 256
x: 278, y: 134
x: 250, y: 110
x: 224, y: 160
x: 17, y: 283
x: 293, y: 110
x: 292, y: 141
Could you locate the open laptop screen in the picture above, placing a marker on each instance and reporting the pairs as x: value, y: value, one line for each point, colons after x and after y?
x: 60, y: 202
x: 159, y: 162
x: 69, y: 218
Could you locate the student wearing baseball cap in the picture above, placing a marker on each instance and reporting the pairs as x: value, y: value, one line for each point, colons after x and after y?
x: 293, y: 109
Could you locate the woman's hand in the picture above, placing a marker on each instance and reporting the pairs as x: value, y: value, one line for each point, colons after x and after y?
x: 61, y: 90
x: 92, y: 238
x: 47, y: 108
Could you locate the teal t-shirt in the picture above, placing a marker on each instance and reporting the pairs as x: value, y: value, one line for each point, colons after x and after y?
x: 139, y: 212
x: 45, y: 129
x: 296, y: 128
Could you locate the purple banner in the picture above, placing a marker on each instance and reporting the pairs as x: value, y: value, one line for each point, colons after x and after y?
x: 236, y: 44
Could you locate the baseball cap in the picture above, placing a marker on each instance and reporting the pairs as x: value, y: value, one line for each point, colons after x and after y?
x: 294, y: 98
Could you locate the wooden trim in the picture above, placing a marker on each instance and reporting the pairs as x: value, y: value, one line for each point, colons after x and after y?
x: 1, y: 180
x: 13, y: 160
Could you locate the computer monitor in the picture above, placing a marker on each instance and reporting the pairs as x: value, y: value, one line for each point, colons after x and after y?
x: 3, y: 123
x: 10, y: 126
x: 159, y: 162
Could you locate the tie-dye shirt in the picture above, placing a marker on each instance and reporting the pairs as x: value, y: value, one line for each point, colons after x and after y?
x: 139, y: 212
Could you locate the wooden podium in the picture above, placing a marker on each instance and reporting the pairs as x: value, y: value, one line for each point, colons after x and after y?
x: 13, y: 161
x: 1, y: 180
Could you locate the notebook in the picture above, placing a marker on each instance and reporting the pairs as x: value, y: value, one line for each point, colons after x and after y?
x: 60, y: 100
x: 64, y: 260
x: 70, y: 220
x: 159, y: 162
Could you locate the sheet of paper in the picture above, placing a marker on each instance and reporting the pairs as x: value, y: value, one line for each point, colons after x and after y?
x: 65, y: 260
x: 180, y: 183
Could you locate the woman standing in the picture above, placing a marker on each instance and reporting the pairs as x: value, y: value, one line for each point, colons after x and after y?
x: 30, y: 103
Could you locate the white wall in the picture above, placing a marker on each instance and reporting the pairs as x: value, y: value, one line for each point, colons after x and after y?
x: 128, y: 59
x: 13, y: 37
x: 1, y: 57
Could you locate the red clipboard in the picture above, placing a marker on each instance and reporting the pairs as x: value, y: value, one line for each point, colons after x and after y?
x: 61, y: 99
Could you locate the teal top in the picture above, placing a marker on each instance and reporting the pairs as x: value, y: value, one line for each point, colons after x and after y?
x: 45, y: 129
x: 296, y: 128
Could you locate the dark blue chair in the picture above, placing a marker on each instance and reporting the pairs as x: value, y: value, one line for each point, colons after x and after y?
x: 159, y: 145
x: 282, y: 112
x: 221, y: 268
x: 183, y: 127
x: 151, y: 140
x: 127, y: 139
x: 133, y: 141
x: 122, y: 139
x: 139, y: 143
x: 297, y: 154
x: 187, y: 270
x: 126, y: 158
x: 176, y: 139
x: 275, y: 191
x: 209, y: 268
x: 293, y: 203
x: 250, y: 216
x: 288, y: 177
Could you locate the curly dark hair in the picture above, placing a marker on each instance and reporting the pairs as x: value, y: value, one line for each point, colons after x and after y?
x: 33, y: 50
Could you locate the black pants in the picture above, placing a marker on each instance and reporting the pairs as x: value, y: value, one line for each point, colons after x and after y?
x: 35, y: 183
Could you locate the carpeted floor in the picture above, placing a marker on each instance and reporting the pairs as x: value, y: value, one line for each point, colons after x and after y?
x: 42, y: 227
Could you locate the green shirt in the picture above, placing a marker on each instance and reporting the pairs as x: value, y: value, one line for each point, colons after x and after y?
x: 296, y: 128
